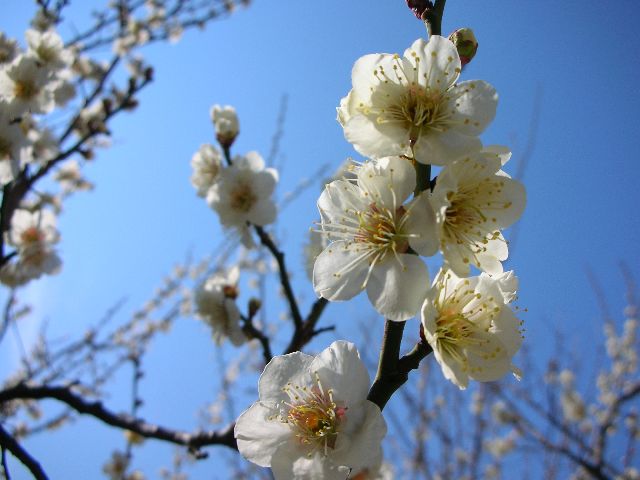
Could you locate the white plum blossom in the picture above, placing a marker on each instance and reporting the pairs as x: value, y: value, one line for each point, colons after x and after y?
x: 33, y: 234
x: 312, y: 420
x: 70, y: 177
x: 215, y: 304
x: 25, y: 86
x: 471, y: 328
x: 412, y: 105
x: 243, y: 192
x: 48, y: 49
x: 373, y: 229
x: 206, y: 164
x: 473, y: 201
x: 225, y: 121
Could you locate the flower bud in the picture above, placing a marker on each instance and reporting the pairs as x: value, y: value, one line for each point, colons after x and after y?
x: 226, y: 124
x: 466, y: 44
x: 254, y: 306
x: 419, y: 7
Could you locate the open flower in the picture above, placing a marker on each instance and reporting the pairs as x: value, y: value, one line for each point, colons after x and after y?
x: 25, y: 86
x: 48, y: 49
x: 412, y: 105
x: 243, y: 192
x: 373, y: 231
x: 215, y: 301
x: 471, y: 328
x: 313, y: 419
x: 474, y: 200
x: 33, y: 234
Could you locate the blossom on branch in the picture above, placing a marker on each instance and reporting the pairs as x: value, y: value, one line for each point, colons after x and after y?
x: 373, y: 231
x: 33, y: 234
x: 215, y: 302
x: 470, y: 326
x: 243, y: 192
x: 412, y: 105
x: 225, y: 121
x: 25, y: 86
x: 474, y: 200
x: 313, y: 419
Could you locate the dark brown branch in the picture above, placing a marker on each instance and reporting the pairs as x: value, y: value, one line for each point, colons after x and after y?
x: 11, y: 444
x: 393, y: 371
x: 266, y: 240
x: 253, y: 332
x: 193, y: 441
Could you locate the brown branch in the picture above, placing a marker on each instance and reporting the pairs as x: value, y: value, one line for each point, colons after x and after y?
x: 393, y: 371
x: 267, y: 241
x: 193, y: 441
x: 11, y: 444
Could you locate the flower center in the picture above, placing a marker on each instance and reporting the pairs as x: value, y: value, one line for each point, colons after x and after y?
x: 419, y: 109
x: 32, y: 235
x: 380, y: 228
x: 25, y: 89
x: 313, y: 415
x: 243, y: 198
x: 46, y: 54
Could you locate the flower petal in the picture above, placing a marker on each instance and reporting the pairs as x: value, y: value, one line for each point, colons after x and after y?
x: 282, y: 369
x: 258, y: 436
x: 397, y: 287
x: 340, y: 368
x: 340, y: 271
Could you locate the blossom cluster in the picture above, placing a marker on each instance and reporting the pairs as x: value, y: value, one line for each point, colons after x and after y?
x: 409, y: 113
x: 33, y: 82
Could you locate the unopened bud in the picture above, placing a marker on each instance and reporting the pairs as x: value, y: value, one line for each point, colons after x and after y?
x: 466, y: 44
x: 254, y: 306
x: 230, y: 291
x: 419, y: 7
x: 225, y: 121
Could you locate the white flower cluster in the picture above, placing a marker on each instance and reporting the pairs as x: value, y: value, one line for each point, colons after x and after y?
x: 240, y: 193
x: 405, y: 113
x: 32, y: 82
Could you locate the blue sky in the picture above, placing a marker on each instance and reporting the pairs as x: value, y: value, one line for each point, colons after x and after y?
x: 144, y: 216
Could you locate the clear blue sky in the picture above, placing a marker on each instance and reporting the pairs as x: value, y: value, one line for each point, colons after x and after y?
x: 119, y: 240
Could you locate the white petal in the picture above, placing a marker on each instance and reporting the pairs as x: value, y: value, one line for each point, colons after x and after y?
x: 258, y: 437
x: 252, y: 161
x: 281, y: 369
x: 439, y: 60
x: 340, y: 271
x: 474, y: 103
x: 263, y: 212
x: 376, y: 141
x: 421, y: 221
x: 364, y: 446
x: 290, y: 464
x: 337, y: 198
x: 390, y: 180
x: 446, y: 147
x: 397, y: 288
x: 340, y: 368
x: 506, y: 327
